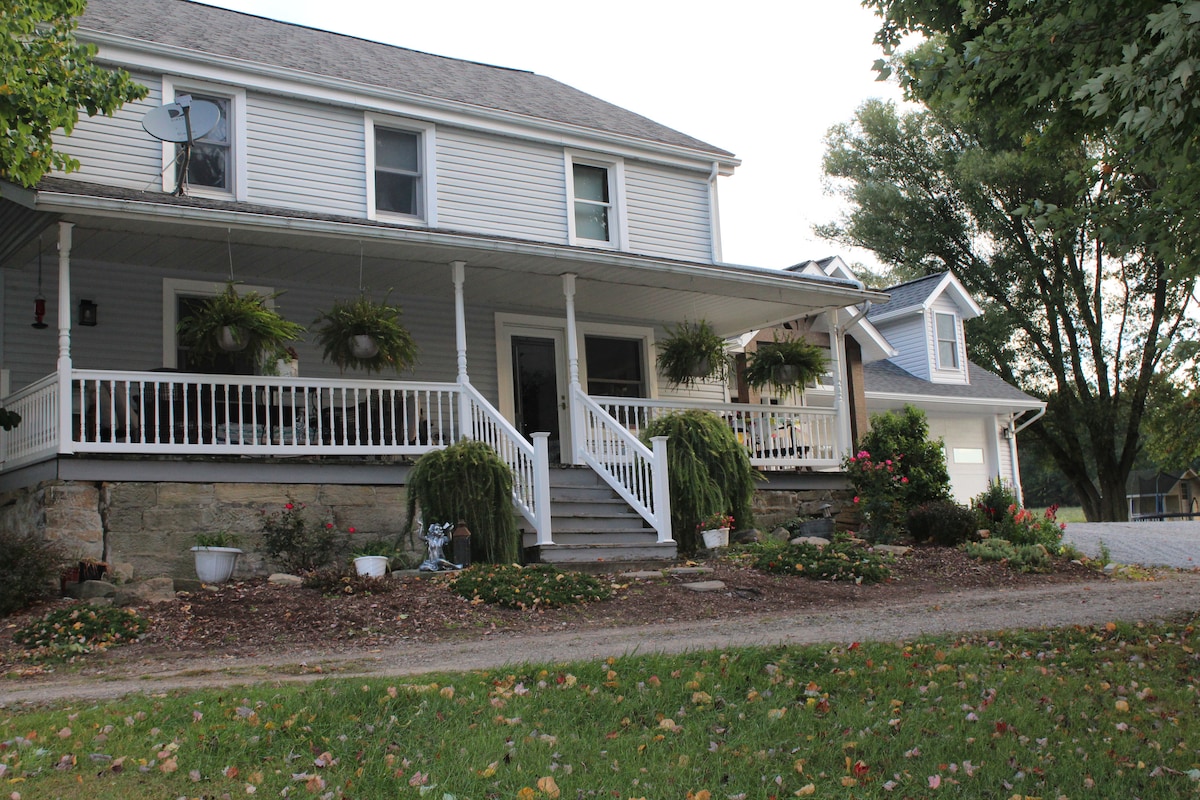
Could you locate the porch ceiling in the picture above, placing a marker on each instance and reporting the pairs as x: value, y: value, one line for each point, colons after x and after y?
x: 165, y: 235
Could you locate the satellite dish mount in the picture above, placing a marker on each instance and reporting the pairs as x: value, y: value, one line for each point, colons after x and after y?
x: 182, y: 122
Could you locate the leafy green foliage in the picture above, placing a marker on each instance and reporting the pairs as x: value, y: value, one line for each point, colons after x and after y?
x: 840, y: 560
x: 468, y: 481
x: 337, y: 327
x: 298, y: 543
x: 47, y: 78
x: 528, y: 587
x: 766, y: 365
x: 943, y: 522
x: 29, y: 568
x: 692, y: 351
x: 999, y: 511
x: 217, y: 539
x: 78, y: 630
x: 709, y: 472
x: 1023, y: 558
x: 992, y: 506
x: 254, y: 325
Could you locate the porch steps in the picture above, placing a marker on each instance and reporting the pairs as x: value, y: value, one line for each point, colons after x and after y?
x: 593, y: 526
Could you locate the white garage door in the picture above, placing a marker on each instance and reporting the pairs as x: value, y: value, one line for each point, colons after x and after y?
x: 969, y: 453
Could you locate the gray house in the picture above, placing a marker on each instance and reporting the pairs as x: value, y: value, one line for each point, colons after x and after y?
x: 539, y: 239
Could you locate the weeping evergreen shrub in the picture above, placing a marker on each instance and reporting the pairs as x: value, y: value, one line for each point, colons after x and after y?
x: 468, y: 481
x: 710, y: 473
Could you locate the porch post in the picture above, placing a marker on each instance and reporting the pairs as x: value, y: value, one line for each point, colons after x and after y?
x: 458, y: 273
x: 66, y: 442
x: 576, y: 421
x: 841, y: 399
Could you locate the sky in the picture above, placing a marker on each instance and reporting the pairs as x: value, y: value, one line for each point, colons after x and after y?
x: 763, y: 79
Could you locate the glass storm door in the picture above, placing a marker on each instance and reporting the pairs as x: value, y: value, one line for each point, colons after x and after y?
x: 538, y: 399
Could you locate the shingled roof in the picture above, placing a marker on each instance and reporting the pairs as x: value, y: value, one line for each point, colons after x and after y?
x: 887, y: 378
x: 247, y: 38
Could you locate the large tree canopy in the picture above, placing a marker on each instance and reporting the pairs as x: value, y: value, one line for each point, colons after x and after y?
x: 1083, y: 325
x: 46, y: 79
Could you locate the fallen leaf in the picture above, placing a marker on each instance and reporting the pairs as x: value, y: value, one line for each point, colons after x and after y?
x: 548, y: 787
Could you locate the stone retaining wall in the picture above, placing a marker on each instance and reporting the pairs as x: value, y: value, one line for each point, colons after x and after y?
x: 774, y: 507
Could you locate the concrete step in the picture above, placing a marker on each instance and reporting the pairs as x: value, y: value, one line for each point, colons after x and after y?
x: 598, y: 524
x: 574, y: 476
x: 584, y: 494
x: 605, y: 557
x: 629, y: 536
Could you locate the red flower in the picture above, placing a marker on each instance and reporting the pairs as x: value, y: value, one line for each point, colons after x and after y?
x: 328, y: 524
x: 288, y: 506
x: 352, y: 530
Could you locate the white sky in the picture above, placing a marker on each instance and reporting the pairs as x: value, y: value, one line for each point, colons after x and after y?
x: 762, y: 79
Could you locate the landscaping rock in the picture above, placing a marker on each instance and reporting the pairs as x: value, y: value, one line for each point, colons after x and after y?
x: 100, y: 601
x: 705, y: 586
x: 748, y: 536
x: 284, y: 579
x: 642, y: 575
x: 689, y: 570
x: 781, y: 534
x: 187, y: 585
x: 144, y: 593
x: 121, y: 571
x: 819, y: 541
x: 91, y: 589
x: 893, y: 549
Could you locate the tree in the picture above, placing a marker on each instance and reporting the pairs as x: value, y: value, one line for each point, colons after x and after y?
x: 46, y: 78
x: 1078, y: 311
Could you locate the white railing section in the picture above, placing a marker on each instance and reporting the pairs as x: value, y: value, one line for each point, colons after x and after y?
x: 168, y: 412
x: 774, y: 436
x: 636, y: 472
x: 530, y: 463
x: 36, y: 437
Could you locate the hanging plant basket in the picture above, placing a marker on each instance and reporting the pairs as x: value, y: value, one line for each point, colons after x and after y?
x: 233, y: 321
x: 785, y: 365
x: 692, y: 352
x: 363, y: 346
x: 232, y: 339
x: 363, y: 334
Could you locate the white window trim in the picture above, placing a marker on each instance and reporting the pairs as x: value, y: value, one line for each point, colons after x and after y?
x: 173, y: 289
x: 616, y: 192
x: 937, y: 343
x: 428, y: 166
x: 237, y: 138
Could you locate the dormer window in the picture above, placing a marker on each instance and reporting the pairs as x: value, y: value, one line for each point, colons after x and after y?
x: 946, y: 326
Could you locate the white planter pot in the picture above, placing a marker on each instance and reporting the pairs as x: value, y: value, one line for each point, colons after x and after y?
x: 363, y: 346
x: 215, y: 564
x: 717, y: 537
x: 371, y: 566
x: 228, y: 341
x: 287, y: 368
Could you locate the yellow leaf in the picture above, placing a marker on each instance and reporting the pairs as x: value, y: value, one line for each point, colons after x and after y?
x: 447, y: 692
x: 489, y: 770
x: 526, y: 793
x: 169, y: 765
x: 805, y: 790
x: 799, y: 765
x: 1121, y: 706
x: 548, y: 787
x: 776, y: 713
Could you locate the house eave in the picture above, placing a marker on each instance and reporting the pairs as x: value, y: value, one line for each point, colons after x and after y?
x: 999, y: 405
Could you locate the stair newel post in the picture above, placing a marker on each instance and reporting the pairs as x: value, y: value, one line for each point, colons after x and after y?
x: 662, y: 490
x: 541, y: 487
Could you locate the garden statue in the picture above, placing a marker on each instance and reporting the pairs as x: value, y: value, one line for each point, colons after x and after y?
x: 437, y: 537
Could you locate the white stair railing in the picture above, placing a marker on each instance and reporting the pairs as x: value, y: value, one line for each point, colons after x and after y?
x: 37, y: 435
x: 636, y: 472
x: 530, y: 463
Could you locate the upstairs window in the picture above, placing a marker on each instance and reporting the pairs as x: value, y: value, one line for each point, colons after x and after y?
x: 398, y: 180
x: 595, y: 188
x: 217, y: 165
x: 210, y: 164
x: 947, y: 340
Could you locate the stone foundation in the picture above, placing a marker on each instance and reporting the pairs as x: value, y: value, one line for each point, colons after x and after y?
x: 774, y: 507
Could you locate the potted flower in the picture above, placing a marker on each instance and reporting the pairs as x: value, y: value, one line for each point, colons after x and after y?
x: 364, y: 334
x: 715, y: 530
x: 784, y: 364
x: 372, y: 559
x: 216, y: 555
x: 231, y: 321
x: 284, y: 362
x: 692, y: 352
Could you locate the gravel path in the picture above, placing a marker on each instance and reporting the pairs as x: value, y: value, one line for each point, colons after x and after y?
x: 1162, y: 544
x: 1089, y: 603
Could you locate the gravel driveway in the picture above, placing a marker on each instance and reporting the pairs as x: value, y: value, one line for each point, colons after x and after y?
x: 1160, y: 544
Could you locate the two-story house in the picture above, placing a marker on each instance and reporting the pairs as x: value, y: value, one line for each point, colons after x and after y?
x: 539, y: 240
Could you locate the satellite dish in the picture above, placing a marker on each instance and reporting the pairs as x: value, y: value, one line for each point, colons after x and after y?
x: 170, y: 122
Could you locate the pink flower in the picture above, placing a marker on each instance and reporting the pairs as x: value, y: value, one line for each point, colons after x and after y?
x: 856, y: 498
x: 328, y: 525
x: 288, y: 506
x: 904, y: 479
x: 352, y: 530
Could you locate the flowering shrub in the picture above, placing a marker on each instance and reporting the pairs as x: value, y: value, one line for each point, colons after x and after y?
x: 79, y: 630
x: 999, y: 511
x: 538, y: 586
x: 880, y: 494
x: 714, y: 521
x: 298, y: 544
x: 840, y: 560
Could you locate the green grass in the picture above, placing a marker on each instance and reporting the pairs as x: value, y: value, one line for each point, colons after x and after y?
x: 1066, y: 514
x: 1079, y: 712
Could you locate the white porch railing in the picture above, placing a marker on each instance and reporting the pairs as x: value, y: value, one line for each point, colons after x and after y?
x: 774, y: 436
x: 530, y: 463
x: 637, y: 473
x: 36, y: 437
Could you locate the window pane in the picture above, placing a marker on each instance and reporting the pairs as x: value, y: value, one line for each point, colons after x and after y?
x: 614, y: 367
x: 396, y: 150
x: 396, y: 193
x: 591, y: 183
x: 209, y: 166
x: 591, y: 221
x: 220, y: 133
x: 947, y: 354
x: 945, y: 326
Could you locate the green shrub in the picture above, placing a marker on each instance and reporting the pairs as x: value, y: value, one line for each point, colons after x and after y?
x: 994, y: 505
x: 1025, y: 558
x: 942, y: 522
x: 840, y: 560
x: 534, y: 586
x: 709, y: 473
x: 896, y: 467
x: 29, y: 569
x: 999, y: 511
x: 297, y: 543
x: 990, y: 550
x: 468, y: 481
x: 79, y: 630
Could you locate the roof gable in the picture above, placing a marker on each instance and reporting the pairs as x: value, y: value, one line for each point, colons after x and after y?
x: 920, y: 294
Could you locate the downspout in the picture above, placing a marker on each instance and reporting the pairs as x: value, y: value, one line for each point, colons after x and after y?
x: 66, y: 442
x: 1012, y: 451
x: 714, y: 214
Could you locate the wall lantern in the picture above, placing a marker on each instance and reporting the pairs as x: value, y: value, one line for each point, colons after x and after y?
x: 39, y: 300
x: 87, y: 313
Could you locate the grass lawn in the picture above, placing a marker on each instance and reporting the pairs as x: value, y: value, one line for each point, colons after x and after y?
x: 1064, y: 513
x: 1080, y: 712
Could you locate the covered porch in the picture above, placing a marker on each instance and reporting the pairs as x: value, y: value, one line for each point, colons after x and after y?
x: 472, y: 302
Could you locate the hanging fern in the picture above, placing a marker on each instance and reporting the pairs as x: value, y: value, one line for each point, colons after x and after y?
x: 709, y: 470
x: 468, y: 481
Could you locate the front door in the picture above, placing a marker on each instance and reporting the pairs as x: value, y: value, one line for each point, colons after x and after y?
x: 538, y: 396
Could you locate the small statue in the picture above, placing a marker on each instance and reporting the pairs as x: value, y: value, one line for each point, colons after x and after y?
x: 437, y: 537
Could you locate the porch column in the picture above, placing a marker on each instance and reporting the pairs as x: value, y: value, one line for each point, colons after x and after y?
x: 841, y: 399
x: 65, y: 437
x: 576, y: 420
x: 458, y: 273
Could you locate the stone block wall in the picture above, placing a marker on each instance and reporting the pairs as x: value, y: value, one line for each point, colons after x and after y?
x: 774, y: 507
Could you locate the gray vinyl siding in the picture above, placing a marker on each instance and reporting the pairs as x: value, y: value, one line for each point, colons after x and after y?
x: 305, y: 156
x: 500, y: 186
x: 118, y: 151
x: 910, y: 338
x: 668, y: 212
